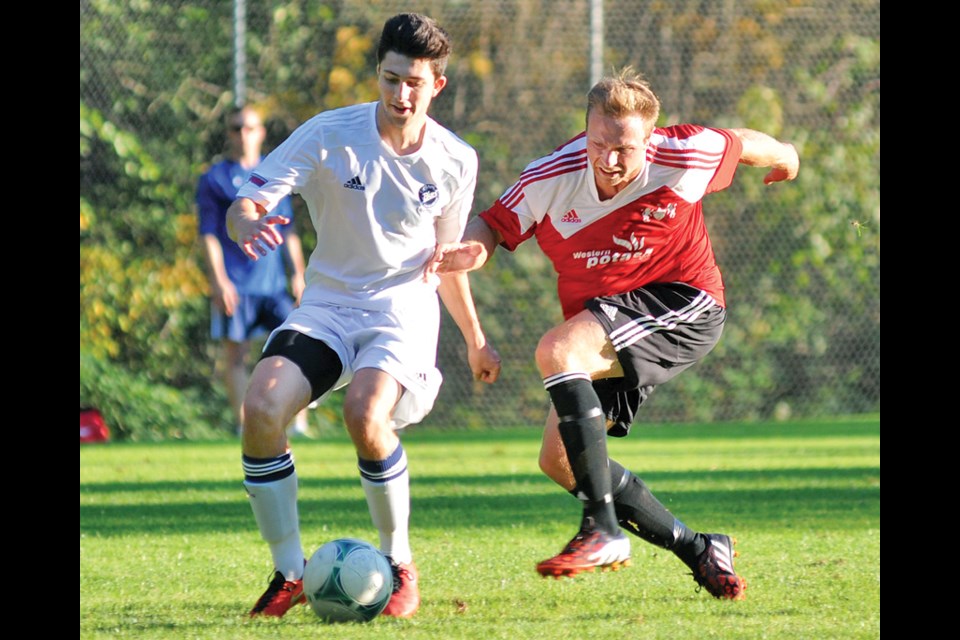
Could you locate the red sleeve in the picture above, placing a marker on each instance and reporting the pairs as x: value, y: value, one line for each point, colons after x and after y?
x: 506, y: 222
x: 723, y: 178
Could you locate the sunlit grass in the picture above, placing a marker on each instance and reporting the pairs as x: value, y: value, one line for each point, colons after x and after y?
x: 169, y: 548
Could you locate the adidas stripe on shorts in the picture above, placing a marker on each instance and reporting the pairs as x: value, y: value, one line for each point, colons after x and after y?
x: 658, y: 331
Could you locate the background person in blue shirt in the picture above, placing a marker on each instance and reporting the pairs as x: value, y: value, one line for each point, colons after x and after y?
x: 249, y: 298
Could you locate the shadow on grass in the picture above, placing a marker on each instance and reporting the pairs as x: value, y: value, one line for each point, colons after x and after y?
x: 829, y: 498
x: 797, y: 476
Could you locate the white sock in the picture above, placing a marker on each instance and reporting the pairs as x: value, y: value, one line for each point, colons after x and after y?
x: 274, y: 503
x: 386, y: 484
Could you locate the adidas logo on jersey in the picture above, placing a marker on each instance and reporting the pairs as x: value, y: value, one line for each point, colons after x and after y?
x: 354, y: 183
x: 571, y: 217
x: 609, y: 311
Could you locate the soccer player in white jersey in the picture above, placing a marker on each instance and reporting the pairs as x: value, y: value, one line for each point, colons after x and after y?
x: 618, y: 212
x: 385, y: 185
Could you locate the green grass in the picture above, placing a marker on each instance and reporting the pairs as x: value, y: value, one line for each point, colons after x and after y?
x: 169, y: 548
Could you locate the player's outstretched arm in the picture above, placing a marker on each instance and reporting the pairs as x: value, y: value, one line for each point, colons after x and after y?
x: 252, y: 229
x: 472, y: 252
x: 762, y: 150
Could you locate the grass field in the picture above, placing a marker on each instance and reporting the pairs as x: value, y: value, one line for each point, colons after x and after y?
x: 169, y: 548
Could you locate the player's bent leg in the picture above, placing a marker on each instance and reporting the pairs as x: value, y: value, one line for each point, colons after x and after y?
x: 277, y: 391
x: 594, y: 546
x: 271, y: 485
x: 367, y: 406
x: 553, y: 456
x: 382, y: 464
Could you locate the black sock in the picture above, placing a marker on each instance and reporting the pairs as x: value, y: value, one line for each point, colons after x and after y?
x: 639, y: 512
x: 585, y: 439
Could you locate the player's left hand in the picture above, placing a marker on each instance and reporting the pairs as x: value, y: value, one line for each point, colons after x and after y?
x: 485, y: 363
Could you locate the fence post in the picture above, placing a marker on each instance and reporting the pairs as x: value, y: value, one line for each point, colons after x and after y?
x: 596, y: 41
x: 239, y: 52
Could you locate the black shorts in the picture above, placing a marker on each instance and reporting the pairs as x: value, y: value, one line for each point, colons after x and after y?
x: 318, y: 363
x: 658, y: 331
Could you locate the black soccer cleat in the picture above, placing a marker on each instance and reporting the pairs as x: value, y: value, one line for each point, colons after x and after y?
x: 714, y: 569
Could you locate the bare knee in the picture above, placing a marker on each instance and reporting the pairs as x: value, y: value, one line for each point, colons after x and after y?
x: 578, y: 344
x: 552, y: 353
x: 357, y: 416
x: 369, y: 428
x: 367, y: 411
x: 265, y: 412
x: 364, y: 424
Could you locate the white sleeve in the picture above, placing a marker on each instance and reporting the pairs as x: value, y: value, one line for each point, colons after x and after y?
x: 286, y: 169
x: 453, y: 220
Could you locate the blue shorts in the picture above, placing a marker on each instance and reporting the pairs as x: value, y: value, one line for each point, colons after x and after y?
x: 254, y: 316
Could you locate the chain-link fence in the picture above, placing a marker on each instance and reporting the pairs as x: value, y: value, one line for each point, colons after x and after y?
x: 801, y: 260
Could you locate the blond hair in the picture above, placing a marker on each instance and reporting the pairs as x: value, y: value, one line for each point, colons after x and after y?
x: 625, y: 94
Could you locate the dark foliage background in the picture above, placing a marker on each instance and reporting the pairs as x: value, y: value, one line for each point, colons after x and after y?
x: 801, y: 261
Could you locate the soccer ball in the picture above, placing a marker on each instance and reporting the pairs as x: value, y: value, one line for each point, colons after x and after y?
x: 348, y: 580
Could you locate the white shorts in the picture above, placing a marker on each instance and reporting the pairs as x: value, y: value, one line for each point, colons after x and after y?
x: 401, y: 343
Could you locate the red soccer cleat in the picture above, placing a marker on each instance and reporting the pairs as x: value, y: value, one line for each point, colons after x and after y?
x: 280, y: 596
x: 714, y: 571
x: 587, y: 551
x: 406, y: 591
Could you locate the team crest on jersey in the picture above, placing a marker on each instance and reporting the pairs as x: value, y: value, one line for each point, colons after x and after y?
x: 429, y: 194
x: 669, y: 211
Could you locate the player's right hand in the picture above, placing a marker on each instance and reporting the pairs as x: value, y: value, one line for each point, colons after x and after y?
x: 256, y: 237
x: 455, y: 257
x: 787, y: 168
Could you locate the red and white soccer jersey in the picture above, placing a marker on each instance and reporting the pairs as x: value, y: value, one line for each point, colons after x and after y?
x: 652, y: 231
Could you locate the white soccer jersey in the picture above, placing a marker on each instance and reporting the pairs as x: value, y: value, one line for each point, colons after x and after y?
x: 378, y: 216
x: 651, y: 231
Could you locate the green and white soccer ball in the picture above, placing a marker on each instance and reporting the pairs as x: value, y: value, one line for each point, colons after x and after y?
x: 348, y: 580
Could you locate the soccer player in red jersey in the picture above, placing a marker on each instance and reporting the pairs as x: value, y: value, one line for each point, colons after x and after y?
x: 618, y: 212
